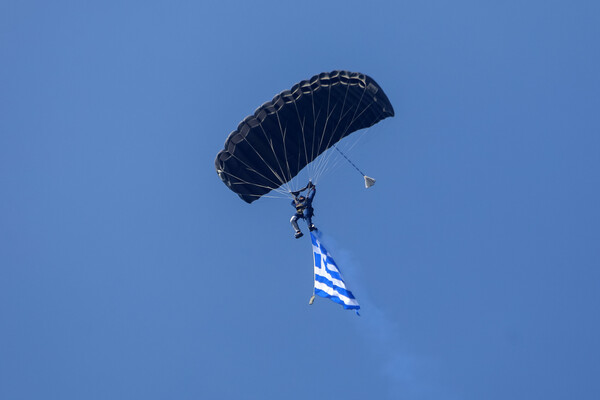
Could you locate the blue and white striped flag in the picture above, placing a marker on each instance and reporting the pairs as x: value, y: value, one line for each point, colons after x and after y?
x: 328, y: 280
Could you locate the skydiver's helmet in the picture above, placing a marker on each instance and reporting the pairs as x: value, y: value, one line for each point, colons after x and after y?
x: 301, y: 198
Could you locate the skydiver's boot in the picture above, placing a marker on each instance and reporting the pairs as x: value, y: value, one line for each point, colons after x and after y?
x: 312, y: 227
x: 298, y: 235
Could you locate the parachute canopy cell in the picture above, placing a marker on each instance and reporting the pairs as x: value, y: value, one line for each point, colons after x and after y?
x: 287, y: 133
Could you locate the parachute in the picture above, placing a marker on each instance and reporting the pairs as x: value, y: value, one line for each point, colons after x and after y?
x: 285, y: 135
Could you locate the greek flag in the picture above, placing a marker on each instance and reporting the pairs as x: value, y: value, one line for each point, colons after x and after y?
x: 328, y: 280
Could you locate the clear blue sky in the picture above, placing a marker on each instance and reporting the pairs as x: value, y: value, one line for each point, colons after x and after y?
x: 129, y: 271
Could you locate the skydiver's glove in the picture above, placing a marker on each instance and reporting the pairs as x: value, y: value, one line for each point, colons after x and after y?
x: 310, y: 185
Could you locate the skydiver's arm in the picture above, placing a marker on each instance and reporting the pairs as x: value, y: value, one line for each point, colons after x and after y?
x: 310, y: 186
x: 297, y: 192
x: 311, y: 193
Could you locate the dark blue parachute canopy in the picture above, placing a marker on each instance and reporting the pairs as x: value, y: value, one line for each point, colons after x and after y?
x: 285, y: 134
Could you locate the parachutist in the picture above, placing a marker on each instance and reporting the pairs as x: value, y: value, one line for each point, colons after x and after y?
x: 304, y: 210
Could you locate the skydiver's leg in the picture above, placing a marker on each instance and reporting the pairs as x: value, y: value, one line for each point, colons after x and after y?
x: 308, y: 217
x: 294, y: 222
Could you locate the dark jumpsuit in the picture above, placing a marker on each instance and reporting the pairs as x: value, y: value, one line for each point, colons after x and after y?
x: 304, y: 209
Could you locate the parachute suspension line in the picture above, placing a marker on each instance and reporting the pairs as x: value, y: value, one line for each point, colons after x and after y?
x: 314, y: 130
x: 328, y: 157
x: 309, y: 168
x: 348, y: 145
x: 286, y: 196
x: 266, y: 163
x: 325, y: 158
x: 321, y: 164
x: 327, y: 116
x: 325, y: 161
x: 359, y: 135
x: 315, y: 117
x: 282, y: 181
x: 283, y: 132
x: 302, y: 123
x: 294, y: 185
x: 299, y: 147
x: 244, y: 182
x: 328, y: 154
x: 368, y: 180
x: 306, y: 173
x: 276, y: 187
x: 322, y: 161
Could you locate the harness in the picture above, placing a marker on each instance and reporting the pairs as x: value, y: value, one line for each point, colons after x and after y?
x: 300, y: 207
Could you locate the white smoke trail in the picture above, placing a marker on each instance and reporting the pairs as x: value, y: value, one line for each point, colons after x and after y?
x: 405, y: 372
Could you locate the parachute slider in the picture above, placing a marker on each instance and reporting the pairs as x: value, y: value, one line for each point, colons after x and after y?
x: 369, y: 181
